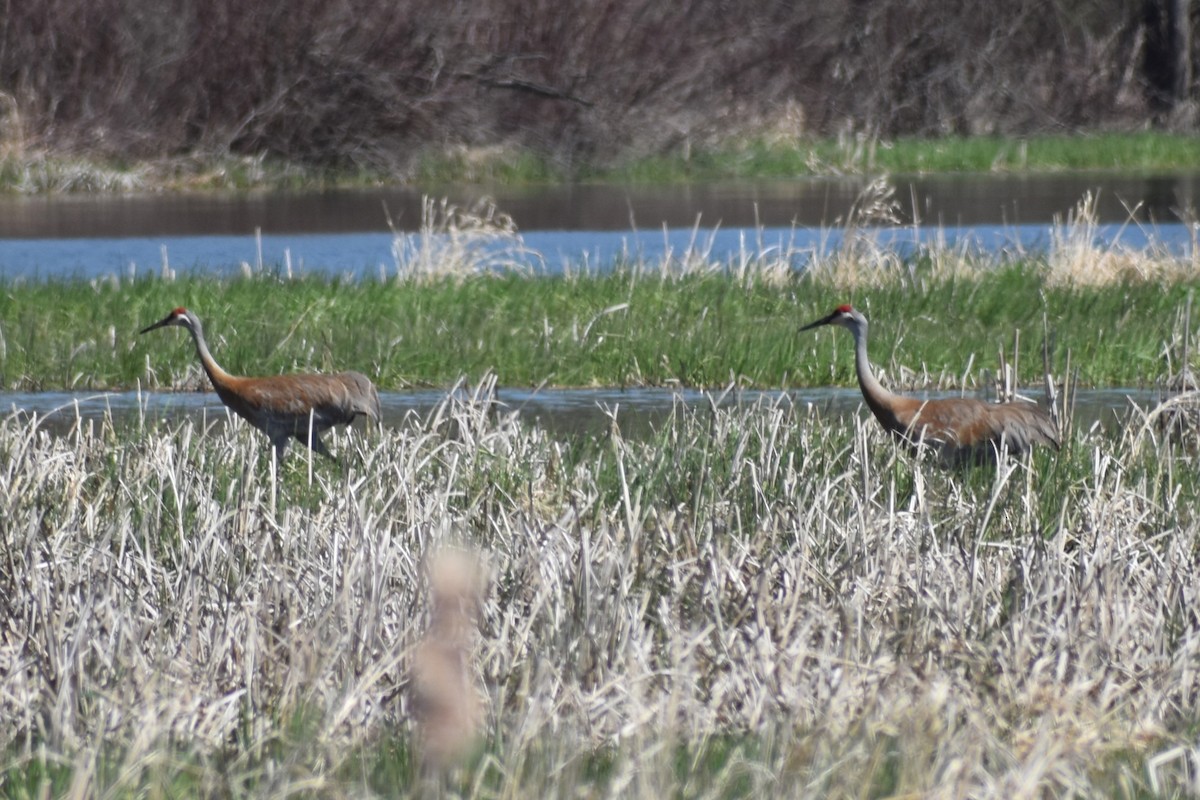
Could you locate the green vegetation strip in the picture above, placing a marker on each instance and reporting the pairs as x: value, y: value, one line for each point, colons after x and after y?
x: 756, y: 158
x: 702, y: 330
x: 781, y: 158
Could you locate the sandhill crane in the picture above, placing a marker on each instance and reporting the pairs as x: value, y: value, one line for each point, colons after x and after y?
x: 284, y: 406
x: 962, y: 428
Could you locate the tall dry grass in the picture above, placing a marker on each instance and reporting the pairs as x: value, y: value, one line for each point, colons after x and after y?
x: 456, y: 242
x: 1075, y: 257
x: 753, y: 601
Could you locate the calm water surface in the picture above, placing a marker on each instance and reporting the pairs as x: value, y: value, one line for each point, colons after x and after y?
x: 355, y: 232
x: 943, y: 200
x: 561, y: 411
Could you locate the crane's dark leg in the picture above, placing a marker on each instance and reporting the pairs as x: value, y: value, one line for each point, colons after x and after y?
x: 281, y: 446
x: 315, y: 443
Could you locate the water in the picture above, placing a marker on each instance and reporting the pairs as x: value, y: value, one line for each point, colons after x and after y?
x: 941, y: 200
x: 353, y: 232
x: 572, y: 412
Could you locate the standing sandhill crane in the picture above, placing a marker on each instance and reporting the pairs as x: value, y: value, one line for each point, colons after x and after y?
x: 961, y: 428
x: 284, y: 406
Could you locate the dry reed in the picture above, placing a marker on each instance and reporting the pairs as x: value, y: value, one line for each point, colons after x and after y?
x: 455, y: 242
x: 835, y: 617
x: 1077, y: 258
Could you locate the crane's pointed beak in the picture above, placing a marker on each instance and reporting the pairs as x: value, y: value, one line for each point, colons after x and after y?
x: 164, y: 321
x: 819, y: 323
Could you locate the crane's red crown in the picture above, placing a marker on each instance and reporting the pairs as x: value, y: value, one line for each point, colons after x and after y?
x: 844, y: 309
x: 179, y: 312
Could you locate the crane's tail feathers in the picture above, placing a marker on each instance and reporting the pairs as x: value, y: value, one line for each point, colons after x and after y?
x: 1029, y: 425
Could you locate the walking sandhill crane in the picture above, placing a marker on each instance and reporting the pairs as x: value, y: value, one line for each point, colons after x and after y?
x: 961, y: 428
x: 283, y: 406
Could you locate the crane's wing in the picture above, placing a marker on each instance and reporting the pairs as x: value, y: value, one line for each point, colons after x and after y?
x: 1022, y: 425
x: 289, y: 401
x: 971, y: 424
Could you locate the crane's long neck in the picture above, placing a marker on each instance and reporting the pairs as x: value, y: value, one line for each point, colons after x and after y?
x: 219, y: 377
x: 880, y: 400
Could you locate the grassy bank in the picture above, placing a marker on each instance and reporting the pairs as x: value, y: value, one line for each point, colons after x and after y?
x: 765, y: 158
x: 753, y: 603
x: 702, y: 329
x: 749, y: 158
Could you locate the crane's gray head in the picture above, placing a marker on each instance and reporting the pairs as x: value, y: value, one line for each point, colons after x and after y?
x: 843, y: 316
x: 180, y: 316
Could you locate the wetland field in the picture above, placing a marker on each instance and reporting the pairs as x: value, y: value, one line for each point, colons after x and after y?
x: 748, y: 600
x: 744, y: 594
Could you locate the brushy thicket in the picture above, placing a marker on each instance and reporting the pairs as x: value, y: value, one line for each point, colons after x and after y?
x: 372, y: 83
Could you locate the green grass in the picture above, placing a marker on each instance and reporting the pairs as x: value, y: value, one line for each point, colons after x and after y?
x: 610, y: 330
x: 764, y: 159
x: 749, y: 158
x: 1139, y: 151
x: 726, y: 767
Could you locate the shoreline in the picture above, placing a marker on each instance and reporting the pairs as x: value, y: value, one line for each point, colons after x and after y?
x: 39, y: 172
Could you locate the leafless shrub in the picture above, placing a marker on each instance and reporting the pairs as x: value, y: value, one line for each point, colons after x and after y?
x: 979, y: 68
x: 376, y: 84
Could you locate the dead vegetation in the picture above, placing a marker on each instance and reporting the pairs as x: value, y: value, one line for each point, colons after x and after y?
x: 373, y: 84
x: 846, y: 620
